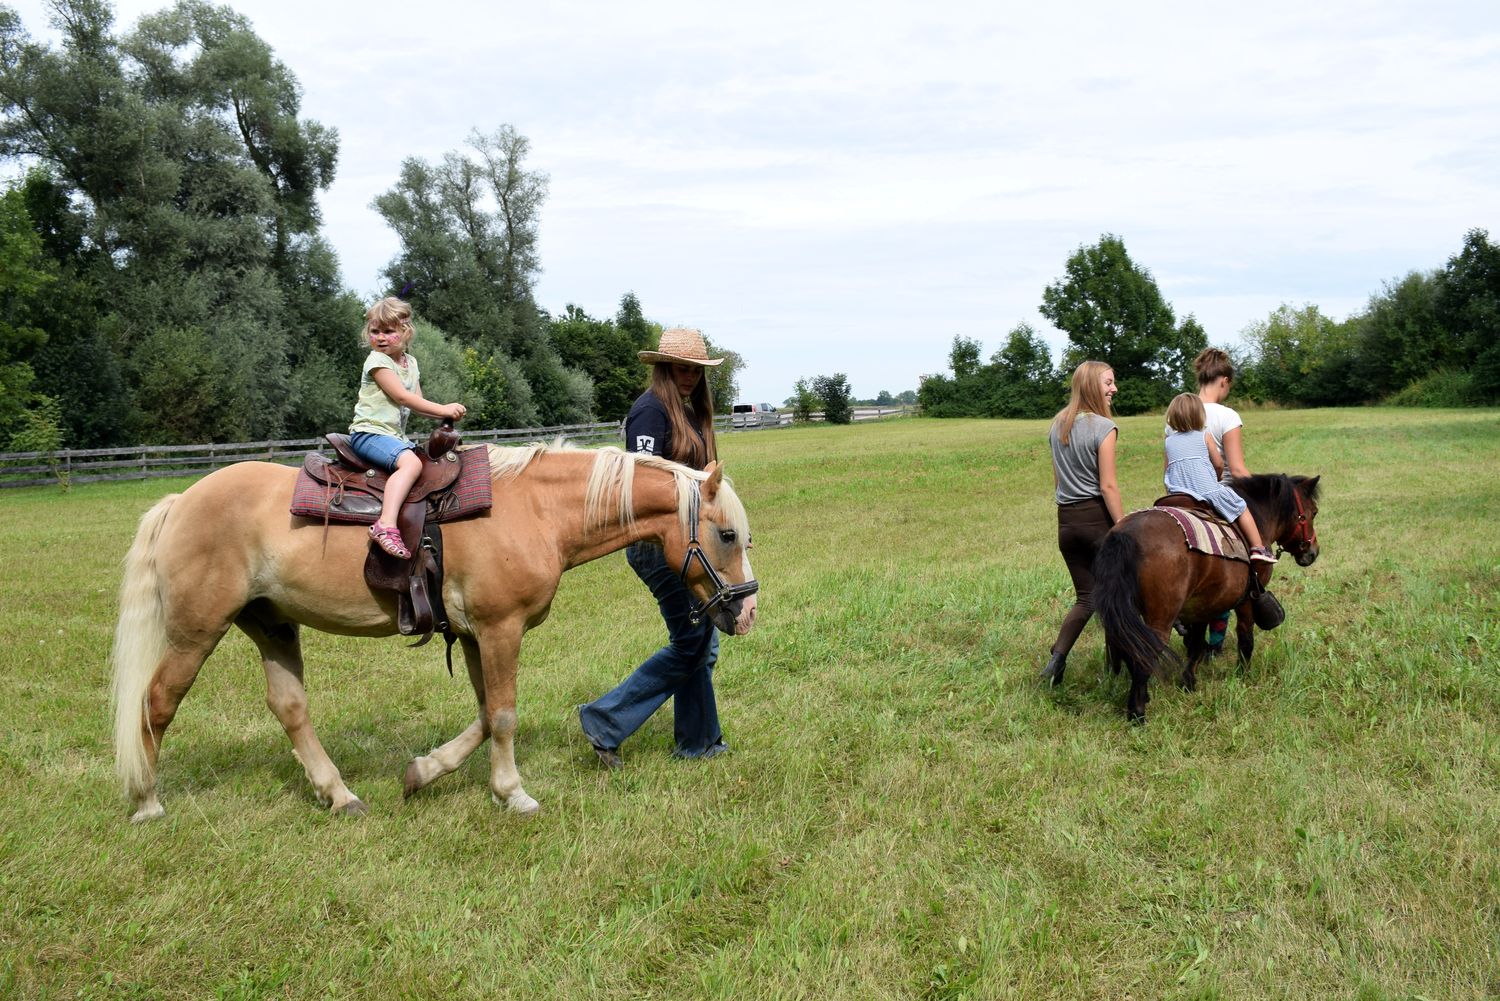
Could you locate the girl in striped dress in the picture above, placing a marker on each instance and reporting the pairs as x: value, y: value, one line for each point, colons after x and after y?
x: 1189, y: 470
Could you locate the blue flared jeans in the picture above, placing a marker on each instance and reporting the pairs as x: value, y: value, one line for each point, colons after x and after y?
x: 683, y: 671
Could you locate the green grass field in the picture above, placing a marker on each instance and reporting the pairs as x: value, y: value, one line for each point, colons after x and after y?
x: 906, y: 813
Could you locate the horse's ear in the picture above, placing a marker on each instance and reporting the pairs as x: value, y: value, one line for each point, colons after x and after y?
x: 715, y: 477
x: 1310, y: 487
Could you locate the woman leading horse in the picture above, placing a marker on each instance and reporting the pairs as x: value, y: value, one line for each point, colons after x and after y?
x: 226, y: 553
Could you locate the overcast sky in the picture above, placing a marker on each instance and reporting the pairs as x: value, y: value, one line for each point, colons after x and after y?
x: 844, y: 187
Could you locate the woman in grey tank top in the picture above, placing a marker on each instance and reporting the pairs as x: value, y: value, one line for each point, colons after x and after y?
x: 1088, y: 497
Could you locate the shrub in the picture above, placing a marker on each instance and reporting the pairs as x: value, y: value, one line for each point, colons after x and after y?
x: 1443, y: 388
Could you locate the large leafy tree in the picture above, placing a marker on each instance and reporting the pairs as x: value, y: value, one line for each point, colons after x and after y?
x: 1303, y: 357
x: 963, y: 357
x: 76, y: 367
x: 724, y: 378
x: 468, y: 262
x: 1112, y: 311
x: 26, y: 278
x: 1468, y: 309
x: 607, y: 354
x: 182, y: 161
x: 834, y: 393
x: 1017, y: 381
x: 1022, y: 381
x: 632, y: 321
x: 1191, y: 339
x: 1398, y: 339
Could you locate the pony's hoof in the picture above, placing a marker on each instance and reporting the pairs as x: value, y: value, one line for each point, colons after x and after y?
x: 354, y: 808
x: 149, y: 812
x: 520, y: 803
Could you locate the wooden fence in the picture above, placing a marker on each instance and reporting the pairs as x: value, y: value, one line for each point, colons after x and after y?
x: 139, y: 462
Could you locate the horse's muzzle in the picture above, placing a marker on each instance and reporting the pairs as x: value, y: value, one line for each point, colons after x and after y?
x: 1307, y: 557
x: 737, y: 617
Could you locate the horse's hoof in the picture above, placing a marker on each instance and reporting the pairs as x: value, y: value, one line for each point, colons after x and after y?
x: 151, y: 811
x: 411, y: 781
x: 519, y: 803
x: 354, y: 808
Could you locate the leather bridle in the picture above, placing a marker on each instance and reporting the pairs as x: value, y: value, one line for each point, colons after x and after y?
x: 1304, y: 537
x: 723, y: 593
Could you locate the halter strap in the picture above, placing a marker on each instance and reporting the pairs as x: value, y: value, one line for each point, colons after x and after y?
x: 723, y: 592
x: 1304, y: 535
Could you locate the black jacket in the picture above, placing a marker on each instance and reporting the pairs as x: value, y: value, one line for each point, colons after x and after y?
x: 647, y: 427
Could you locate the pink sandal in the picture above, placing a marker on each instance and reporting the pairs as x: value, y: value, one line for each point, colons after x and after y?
x: 389, y: 539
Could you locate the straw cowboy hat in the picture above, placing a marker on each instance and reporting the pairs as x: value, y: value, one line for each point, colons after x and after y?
x: 681, y: 344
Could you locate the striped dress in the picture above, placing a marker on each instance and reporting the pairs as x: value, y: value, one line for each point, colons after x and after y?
x: 1189, y: 471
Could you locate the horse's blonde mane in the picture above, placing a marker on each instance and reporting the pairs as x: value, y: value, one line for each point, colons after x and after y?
x: 612, y: 481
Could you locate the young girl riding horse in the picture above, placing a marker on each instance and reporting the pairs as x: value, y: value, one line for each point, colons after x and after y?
x: 390, y: 387
x: 1189, y: 470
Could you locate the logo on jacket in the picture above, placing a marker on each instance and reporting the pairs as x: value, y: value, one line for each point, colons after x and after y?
x: 645, y: 443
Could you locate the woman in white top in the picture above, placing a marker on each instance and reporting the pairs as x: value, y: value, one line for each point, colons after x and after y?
x: 1215, y: 379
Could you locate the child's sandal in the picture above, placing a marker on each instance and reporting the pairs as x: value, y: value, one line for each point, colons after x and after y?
x: 1260, y: 554
x: 388, y: 538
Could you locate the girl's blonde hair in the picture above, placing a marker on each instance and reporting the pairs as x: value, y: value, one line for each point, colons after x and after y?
x: 687, y: 448
x: 1186, y: 413
x: 1087, y: 397
x: 390, y: 312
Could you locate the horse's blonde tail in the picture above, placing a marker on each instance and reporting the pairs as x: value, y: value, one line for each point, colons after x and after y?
x: 140, y: 641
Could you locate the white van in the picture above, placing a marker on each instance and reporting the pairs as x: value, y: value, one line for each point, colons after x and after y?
x: 753, y: 415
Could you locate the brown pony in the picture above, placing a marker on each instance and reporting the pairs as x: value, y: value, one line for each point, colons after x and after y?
x: 1145, y: 578
x: 226, y: 552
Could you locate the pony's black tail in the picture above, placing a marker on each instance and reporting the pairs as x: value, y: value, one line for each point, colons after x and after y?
x: 1117, y: 602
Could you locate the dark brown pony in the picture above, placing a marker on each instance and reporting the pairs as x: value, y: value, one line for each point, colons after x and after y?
x: 1146, y: 578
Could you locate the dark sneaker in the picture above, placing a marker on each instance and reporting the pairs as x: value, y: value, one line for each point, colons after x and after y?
x: 610, y: 756
x: 712, y: 751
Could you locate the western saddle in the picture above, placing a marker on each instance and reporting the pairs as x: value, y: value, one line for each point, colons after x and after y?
x: 352, y: 491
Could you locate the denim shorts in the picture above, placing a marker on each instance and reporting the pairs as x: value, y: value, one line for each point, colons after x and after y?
x: 378, y: 449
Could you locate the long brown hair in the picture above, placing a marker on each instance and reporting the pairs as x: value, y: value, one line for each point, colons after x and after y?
x: 1088, y: 395
x: 687, y: 447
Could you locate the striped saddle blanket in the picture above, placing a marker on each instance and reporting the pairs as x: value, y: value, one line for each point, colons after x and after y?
x: 1208, y: 535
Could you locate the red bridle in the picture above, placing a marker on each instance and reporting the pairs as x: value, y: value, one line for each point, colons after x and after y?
x: 1304, y: 537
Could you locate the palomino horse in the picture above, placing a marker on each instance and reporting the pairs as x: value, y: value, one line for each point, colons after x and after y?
x: 226, y: 552
x: 1145, y: 578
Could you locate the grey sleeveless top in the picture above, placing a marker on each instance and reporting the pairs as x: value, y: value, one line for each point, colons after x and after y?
x: 1077, y: 462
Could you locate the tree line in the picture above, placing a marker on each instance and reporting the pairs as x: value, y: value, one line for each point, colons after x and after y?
x: 163, y: 276
x: 1428, y: 339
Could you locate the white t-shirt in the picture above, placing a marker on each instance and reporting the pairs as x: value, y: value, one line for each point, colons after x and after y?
x: 1221, y: 421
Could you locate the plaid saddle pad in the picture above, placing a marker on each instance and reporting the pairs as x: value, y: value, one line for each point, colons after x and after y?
x: 345, y: 502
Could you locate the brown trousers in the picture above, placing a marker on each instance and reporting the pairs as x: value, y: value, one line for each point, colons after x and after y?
x: 1081, y: 528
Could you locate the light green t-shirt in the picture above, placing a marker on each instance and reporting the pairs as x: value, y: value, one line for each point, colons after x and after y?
x: 374, y: 411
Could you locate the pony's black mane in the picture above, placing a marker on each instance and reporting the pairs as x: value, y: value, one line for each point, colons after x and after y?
x: 1272, y: 493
